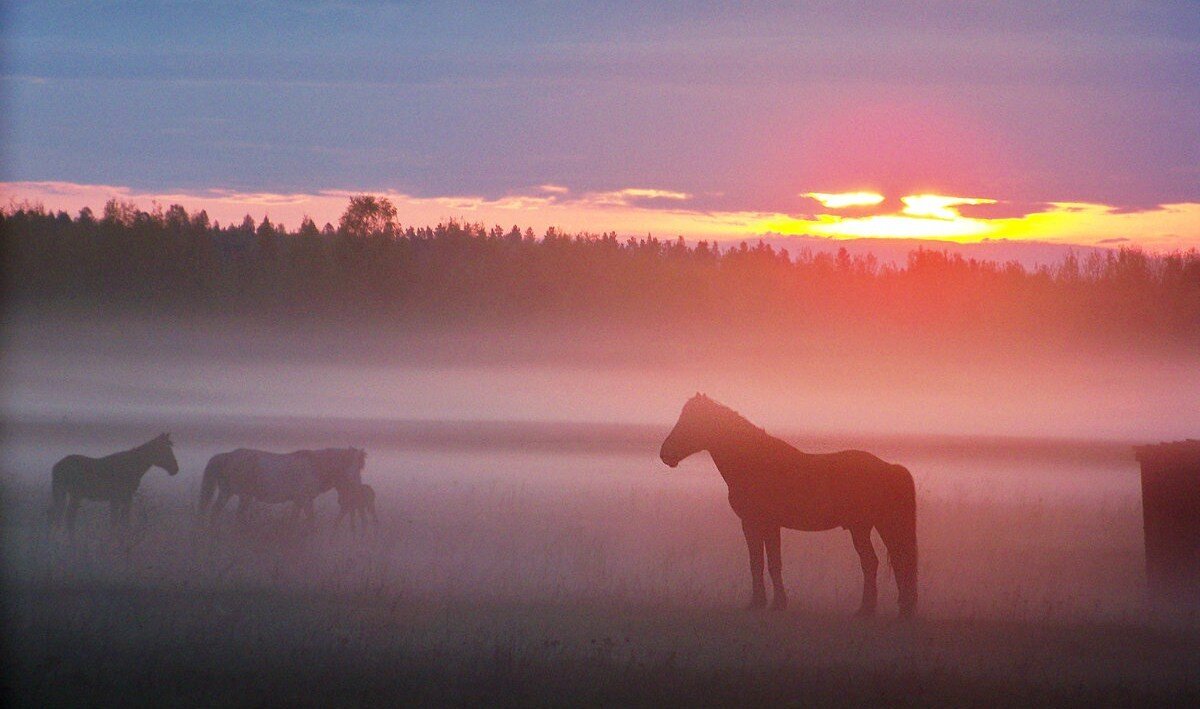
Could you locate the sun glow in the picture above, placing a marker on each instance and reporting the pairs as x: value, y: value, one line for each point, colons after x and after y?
x: 922, y: 216
x: 841, y: 200
x: 937, y: 206
x: 898, y: 226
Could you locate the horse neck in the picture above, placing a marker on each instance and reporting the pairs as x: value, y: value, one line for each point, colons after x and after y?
x: 328, y: 476
x: 734, y: 443
x: 135, y: 461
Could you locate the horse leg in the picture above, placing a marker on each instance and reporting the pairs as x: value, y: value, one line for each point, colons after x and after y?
x: 374, y: 514
x: 861, y: 536
x: 120, y: 519
x: 72, y: 511
x: 114, y: 513
x: 243, y: 510
x: 310, y: 515
x: 754, y: 545
x: 775, y: 566
x: 900, y: 538
x: 218, y: 505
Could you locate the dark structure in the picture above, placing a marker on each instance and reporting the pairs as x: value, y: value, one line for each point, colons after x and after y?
x: 1171, y: 518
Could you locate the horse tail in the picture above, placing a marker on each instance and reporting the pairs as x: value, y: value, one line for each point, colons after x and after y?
x: 369, y: 495
x: 899, y: 534
x: 58, y: 493
x: 208, y: 483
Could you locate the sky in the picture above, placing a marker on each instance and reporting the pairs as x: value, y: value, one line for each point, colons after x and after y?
x: 1062, y: 121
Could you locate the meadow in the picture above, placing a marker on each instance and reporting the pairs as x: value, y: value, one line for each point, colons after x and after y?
x: 542, y: 564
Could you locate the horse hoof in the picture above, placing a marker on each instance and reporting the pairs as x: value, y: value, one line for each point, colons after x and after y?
x: 779, y: 603
x: 865, y: 612
x: 757, y: 604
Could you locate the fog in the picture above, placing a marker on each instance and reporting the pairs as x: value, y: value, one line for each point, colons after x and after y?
x: 126, y: 367
x: 531, y: 541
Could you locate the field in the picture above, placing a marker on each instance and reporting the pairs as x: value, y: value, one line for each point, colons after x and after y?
x: 563, y: 564
x: 527, y: 256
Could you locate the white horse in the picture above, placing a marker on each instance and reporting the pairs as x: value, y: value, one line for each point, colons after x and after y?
x: 297, y: 477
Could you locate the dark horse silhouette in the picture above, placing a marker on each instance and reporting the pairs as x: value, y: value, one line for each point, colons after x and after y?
x: 114, y: 478
x: 773, y: 485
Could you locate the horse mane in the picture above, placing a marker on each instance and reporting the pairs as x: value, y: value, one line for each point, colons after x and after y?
x: 731, y: 418
x: 161, y: 439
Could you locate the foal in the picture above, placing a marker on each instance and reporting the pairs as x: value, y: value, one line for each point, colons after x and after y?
x: 357, y: 502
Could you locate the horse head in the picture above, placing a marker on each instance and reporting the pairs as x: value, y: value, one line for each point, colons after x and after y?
x: 690, y: 434
x: 346, y: 468
x: 162, y: 454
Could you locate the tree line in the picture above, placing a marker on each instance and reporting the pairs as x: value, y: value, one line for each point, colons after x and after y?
x: 369, y: 266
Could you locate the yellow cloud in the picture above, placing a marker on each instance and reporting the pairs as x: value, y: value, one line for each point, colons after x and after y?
x: 938, y: 206
x: 840, y: 200
x: 929, y: 216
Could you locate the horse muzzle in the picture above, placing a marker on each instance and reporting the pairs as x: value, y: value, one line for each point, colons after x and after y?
x: 671, y: 462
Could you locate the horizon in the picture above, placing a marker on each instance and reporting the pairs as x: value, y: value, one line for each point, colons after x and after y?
x: 1031, y: 251
x: 1060, y: 124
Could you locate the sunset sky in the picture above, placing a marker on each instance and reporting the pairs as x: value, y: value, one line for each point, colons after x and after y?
x: 1062, y: 121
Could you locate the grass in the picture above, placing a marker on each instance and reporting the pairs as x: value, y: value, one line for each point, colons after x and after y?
x: 505, y: 592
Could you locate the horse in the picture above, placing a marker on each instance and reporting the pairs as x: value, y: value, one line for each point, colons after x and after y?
x: 358, y: 503
x: 113, y: 478
x: 297, y: 477
x: 773, y: 485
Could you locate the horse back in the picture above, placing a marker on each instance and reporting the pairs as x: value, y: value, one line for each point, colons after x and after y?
x: 816, y: 491
x: 271, y: 477
x: 93, y: 478
x: 71, y: 462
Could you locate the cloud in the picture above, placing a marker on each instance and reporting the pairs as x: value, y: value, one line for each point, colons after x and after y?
x: 630, y: 195
x: 1002, y: 209
x: 841, y: 200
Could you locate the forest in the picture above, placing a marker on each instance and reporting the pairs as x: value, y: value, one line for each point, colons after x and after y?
x: 370, y: 267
